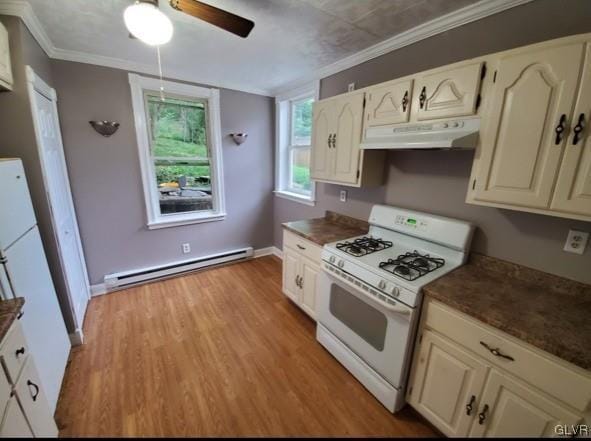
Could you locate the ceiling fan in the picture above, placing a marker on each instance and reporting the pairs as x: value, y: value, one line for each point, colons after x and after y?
x: 146, y: 22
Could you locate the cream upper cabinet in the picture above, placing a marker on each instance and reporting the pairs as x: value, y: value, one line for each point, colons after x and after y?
x: 573, y: 187
x: 447, y: 381
x: 322, y: 132
x: 448, y: 92
x: 387, y: 104
x: 509, y: 408
x: 336, y: 138
x: 5, y: 66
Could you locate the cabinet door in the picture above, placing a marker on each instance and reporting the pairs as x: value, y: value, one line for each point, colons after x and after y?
x: 291, y: 267
x: 5, y: 68
x: 447, y: 380
x: 516, y: 410
x: 388, y: 104
x: 309, y: 273
x: 348, y: 121
x: 322, y: 129
x: 447, y: 93
x: 33, y: 401
x: 520, y: 151
x: 573, y: 188
x: 14, y: 424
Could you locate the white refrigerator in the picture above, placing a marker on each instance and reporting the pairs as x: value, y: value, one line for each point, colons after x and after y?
x: 24, y: 273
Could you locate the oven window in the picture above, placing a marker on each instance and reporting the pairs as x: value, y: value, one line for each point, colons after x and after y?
x: 364, y: 320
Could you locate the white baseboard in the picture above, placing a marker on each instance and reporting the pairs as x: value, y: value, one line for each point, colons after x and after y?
x: 98, y: 290
x: 269, y: 251
x: 77, y: 337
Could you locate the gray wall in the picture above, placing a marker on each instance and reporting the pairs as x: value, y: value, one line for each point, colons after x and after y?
x: 17, y: 139
x: 106, y: 181
x: 437, y: 181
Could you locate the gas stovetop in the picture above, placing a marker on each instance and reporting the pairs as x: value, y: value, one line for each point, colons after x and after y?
x: 363, y: 246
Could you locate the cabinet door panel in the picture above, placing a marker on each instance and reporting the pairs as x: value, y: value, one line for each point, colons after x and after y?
x: 310, y: 271
x: 448, y: 93
x: 32, y: 399
x: 520, y: 152
x: 14, y: 424
x: 516, y: 410
x: 446, y: 378
x: 388, y: 104
x: 348, y: 120
x: 322, y: 128
x: 291, y: 264
x: 573, y: 188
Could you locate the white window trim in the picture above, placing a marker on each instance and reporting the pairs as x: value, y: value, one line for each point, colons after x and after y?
x: 282, y: 139
x: 156, y: 220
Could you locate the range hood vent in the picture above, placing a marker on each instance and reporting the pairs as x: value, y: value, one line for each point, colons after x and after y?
x: 459, y: 134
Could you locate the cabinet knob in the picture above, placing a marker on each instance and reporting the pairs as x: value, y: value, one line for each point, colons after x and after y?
x: 560, y: 128
x: 20, y: 351
x: 470, y: 404
x: 405, y: 101
x: 482, y: 415
x: 423, y: 97
x: 578, y: 129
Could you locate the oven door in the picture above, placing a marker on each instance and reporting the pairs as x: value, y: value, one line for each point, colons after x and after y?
x: 377, y: 332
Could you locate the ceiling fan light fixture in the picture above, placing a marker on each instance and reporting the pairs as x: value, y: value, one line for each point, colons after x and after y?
x: 148, y: 23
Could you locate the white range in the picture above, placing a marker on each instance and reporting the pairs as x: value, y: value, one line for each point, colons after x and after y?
x: 369, y: 293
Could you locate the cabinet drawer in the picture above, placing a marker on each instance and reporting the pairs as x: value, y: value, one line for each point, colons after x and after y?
x: 32, y: 399
x: 14, y: 423
x: 302, y: 246
x: 552, y: 376
x: 14, y: 352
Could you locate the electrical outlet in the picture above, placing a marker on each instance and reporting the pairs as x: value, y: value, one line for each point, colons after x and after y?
x: 343, y: 196
x: 186, y: 248
x: 576, y: 242
x: 351, y: 87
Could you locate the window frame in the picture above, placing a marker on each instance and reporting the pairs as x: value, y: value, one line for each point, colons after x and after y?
x: 285, y: 146
x: 139, y: 85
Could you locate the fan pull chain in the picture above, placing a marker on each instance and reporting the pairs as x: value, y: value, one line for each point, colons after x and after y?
x: 160, y: 72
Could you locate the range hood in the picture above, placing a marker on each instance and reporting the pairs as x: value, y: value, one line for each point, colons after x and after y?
x: 458, y: 134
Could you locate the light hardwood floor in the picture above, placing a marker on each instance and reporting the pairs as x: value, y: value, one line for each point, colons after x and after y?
x: 216, y: 353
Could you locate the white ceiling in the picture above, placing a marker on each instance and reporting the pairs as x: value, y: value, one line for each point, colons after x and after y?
x: 291, y: 38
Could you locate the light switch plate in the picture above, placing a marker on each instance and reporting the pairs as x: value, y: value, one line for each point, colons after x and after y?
x: 576, y: 242
x: 186, y: 248
x: 343, y: 197
x: 351, y: 87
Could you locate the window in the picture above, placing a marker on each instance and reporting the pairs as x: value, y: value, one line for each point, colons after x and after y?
x: 180, y: 154
x: 294, y: 139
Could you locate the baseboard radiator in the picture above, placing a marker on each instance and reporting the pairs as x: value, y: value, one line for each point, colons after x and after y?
x: 133, y: 277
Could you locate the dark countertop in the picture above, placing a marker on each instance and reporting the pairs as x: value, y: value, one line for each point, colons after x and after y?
x: 327, y: 229
x: 9, y: 310
x: 546, y: 311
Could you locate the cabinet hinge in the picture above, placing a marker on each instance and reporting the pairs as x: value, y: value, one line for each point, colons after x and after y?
x: 478, y: 100
x: 410, y: 391
x: 495, y: 77
x: 474, y: 184
x: 483, y: 73
x: 358, y: 173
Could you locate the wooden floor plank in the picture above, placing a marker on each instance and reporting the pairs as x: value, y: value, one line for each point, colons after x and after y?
x: 215, y: 353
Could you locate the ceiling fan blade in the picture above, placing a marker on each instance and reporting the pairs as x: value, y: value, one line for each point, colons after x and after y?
x: 215, y: 16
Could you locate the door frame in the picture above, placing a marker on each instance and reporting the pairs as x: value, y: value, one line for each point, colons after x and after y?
x: 36, y: 84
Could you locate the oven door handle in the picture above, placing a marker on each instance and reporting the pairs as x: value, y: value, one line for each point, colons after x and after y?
x: 396, y: 309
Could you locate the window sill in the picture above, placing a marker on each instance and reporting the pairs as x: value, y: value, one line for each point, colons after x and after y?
x: 294, y: 197
x: 177, y: 221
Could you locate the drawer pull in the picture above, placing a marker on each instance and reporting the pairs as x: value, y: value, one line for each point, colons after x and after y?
x: 20, y: 315
x: 20, y: 351
x: 36, y: 393
x: 578, y: 129
x: 496, y: 352
x: 301, y: 247
x: 560, y: 128
x: 423, y: 97
x: 469, y: 405
x: 405, y: 101
x: 482, y: 415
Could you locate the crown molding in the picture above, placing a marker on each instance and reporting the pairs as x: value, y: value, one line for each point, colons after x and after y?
x: 468, y: 14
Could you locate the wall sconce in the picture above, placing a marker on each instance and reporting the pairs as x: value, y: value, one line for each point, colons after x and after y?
x: 105, y: 128
x: 239, y: 138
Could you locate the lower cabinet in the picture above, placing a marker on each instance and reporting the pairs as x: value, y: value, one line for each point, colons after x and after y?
x: 465, y: 393
x: 23, y: 404
x: 301, y: 266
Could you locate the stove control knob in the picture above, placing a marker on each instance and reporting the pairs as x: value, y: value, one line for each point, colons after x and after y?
x: 395, y: 291
x: 382, y: 284
x: 341, y: 263
x: 331, y: 259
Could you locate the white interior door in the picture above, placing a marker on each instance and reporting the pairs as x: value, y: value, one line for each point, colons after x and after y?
x: 43, y: 101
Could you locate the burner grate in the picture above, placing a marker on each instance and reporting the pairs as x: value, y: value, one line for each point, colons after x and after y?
x: 411, y: 266
x: 363, y: 246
